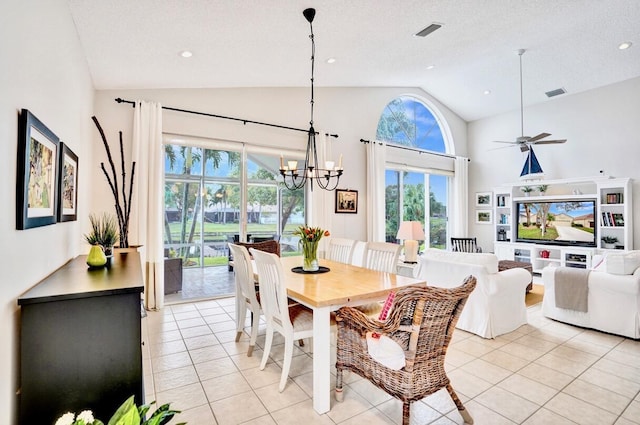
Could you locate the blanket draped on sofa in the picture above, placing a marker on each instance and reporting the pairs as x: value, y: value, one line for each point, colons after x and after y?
x: 572, y: 288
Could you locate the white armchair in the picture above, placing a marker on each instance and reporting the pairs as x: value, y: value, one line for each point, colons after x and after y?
x: 497, y: 304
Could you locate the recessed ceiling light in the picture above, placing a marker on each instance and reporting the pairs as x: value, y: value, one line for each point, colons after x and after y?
x: 186, y: 53
x: 625, y: 45
x: 486, y: 92
x: 331, y: 60
x: 431, y: 66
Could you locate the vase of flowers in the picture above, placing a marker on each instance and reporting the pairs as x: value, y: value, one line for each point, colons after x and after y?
x: 309, y: 239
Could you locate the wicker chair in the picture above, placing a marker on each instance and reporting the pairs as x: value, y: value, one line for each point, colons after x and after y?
x: 465, y: 245
x: 272, y: 246
x: 421, y: 321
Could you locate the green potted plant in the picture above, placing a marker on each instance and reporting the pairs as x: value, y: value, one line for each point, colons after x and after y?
x: 526, y: 190
x: 104, y: 232
x: 543, y: 188
x: 609, y: 241
x: 127, y: 414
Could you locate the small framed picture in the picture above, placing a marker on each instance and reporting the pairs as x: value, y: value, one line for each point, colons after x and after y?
x: 37, y: 184
x: 483, y: 199
x: 68, y: 181
x: 346, y: 201
x: 483, y: 217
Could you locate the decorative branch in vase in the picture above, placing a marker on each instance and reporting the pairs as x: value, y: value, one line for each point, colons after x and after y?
x: 122, y: 206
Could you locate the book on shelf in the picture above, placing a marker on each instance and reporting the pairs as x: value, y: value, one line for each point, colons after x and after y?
x: 612, y: 219
x: 618, y: 219
x: 614, y: 198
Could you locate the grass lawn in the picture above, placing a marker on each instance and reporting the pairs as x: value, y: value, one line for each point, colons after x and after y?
x: 533, y: 232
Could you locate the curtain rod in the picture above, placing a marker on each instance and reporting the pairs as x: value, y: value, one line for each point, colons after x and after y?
x: 420, y: 151
x: 244, y: 121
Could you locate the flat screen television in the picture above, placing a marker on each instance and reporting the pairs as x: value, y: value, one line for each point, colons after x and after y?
x: 557, y: 222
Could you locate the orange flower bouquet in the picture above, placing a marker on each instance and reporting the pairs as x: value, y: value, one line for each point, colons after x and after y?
x: 309, y: 239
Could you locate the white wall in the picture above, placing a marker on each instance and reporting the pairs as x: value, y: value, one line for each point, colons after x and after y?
x: 43, y: 70
x: 602, y: 128
x: 352, y: 113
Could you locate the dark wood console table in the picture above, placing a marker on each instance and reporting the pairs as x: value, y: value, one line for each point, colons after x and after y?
x: 80, y: 342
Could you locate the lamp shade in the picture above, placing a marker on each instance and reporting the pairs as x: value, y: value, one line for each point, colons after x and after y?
x: 410, y: 230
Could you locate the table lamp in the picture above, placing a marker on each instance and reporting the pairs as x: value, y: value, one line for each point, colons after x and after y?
x: 411, y: 232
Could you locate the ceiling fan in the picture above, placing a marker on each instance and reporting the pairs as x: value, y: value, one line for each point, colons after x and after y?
x: 524, y: 142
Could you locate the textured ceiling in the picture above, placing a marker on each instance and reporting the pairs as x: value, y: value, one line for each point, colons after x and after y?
x: 264, y: 43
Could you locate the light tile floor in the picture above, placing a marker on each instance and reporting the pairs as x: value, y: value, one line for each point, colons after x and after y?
x: 545, y: 372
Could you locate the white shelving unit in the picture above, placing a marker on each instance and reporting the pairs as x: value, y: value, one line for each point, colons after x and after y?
x: 613, y: 217
x: 615, y: 212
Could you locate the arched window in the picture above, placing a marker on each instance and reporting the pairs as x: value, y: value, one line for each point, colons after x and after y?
x: 416, y: 186
x: 406, y: 121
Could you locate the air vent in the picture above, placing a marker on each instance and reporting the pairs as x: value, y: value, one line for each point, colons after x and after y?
x: 428, y: 30
x: 556, y: 92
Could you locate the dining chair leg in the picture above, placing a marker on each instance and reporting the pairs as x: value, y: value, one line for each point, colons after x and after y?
x: 463, y: 411
x: 255, y: 322
x: 267, y: 347
x: 288, y: 355
x: 406, y: 413
x: 339, y: 392
x: 241, y: 315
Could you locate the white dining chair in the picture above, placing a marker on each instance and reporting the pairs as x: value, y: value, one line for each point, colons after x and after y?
x: 293, y: 322
x: 246, y: 296
x: 382, y: 256
x: 340, y: 250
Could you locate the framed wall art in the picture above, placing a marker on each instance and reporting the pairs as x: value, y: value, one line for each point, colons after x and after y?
x: 36, y: 183
x: 483, y: 199
x: 68, y: 184
x: 346, y: 201
x: 483, y: 217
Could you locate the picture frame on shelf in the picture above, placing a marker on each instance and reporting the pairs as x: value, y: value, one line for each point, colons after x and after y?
x: 68, y: 182
x: 37, y: 173
x: 483, y: 199
x: 346, y: 201
x: 484, y: 217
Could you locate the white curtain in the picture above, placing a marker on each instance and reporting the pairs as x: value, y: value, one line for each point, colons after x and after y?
x: 321, y: 200
x: 148, y: 208
x: 376, y: 159
x: 460, y: 207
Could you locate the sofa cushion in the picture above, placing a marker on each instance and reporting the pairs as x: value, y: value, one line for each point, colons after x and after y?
x: 623, y: 263
x: 487, y: 260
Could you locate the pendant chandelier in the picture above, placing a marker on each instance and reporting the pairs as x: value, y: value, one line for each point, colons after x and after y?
x: 296, y: 177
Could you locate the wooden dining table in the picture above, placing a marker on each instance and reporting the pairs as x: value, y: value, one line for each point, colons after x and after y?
x: 343, y: 285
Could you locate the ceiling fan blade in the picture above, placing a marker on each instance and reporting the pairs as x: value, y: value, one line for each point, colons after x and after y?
x: 502, y: 141
x: 539, y: 136
x: 549, y: 142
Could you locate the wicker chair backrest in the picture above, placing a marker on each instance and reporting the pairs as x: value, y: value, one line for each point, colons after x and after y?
x: 271, y: 246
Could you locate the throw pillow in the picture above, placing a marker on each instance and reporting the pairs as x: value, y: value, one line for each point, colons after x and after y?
x: 386, y: 351
x: 623, y: 264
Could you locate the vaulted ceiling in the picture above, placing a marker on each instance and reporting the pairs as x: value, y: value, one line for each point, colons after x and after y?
x: 571, y: 44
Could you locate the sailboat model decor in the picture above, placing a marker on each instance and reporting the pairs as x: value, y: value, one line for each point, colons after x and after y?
x: 531, y: 168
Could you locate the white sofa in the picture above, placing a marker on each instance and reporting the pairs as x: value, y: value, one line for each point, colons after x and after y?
x: 613, y: 300
x: 497, y: 304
